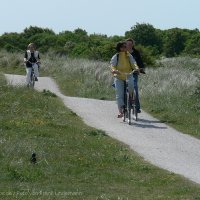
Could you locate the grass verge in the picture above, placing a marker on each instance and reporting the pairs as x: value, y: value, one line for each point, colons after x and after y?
x: 74, y: 161
x: 171, y: 93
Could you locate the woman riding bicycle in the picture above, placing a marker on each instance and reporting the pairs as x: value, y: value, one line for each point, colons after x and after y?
x: 122, y: 62
x: 31, y: 60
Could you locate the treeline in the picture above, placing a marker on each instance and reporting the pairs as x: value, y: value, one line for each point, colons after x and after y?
x: 152, y: 42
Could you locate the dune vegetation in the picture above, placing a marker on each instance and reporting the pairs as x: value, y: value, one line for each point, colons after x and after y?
x: 75, y: 161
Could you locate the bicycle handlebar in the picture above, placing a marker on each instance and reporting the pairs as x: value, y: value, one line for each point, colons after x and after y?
x: 128, y: 74
x: 124, y: 73
x: 38, y: 62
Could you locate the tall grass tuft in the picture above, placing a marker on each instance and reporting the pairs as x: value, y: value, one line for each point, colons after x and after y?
x: 80, y: 77
x: 11, y: 62
x: 170, y: 93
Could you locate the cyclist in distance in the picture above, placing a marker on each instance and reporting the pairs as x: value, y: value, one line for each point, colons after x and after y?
x: 122, y: 62
x: 31, y: 60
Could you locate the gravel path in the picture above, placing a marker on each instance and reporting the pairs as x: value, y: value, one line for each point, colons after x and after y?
x: 156, y: 142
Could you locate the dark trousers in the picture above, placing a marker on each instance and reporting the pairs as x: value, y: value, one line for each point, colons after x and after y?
x: 137, y: 101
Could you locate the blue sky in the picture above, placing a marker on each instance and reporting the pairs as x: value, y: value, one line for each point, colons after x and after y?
x: 110, y: 17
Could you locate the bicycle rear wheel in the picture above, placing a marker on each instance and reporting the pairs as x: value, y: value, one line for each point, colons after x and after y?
x: 135, y: 113
x: 124, y: 113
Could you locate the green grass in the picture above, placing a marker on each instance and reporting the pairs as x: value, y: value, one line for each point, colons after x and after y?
x: 74, y: 161
x: 171, y: 93
x: 11, y: 63
x: 80, y: 77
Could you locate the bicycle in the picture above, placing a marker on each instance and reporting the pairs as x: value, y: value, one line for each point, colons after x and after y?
x: 31, y: 83
x: 129, y: 101
x: 32, y: 79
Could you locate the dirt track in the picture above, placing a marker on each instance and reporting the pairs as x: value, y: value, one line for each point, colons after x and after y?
x: 153, y: 140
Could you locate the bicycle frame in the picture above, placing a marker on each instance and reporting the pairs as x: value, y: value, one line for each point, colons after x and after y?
x: 32, y: 77
x: 127, y: 106
x: 129, y: 99
x: 129, y: 103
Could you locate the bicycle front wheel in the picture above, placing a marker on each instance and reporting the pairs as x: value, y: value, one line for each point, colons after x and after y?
x: 134, y: 110
x: 124, y: 113
x: 32, y: 81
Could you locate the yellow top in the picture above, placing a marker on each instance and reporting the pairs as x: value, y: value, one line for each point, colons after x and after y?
x: 124, y: 65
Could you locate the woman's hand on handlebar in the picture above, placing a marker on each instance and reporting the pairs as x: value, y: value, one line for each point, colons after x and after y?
x: 137, y: 71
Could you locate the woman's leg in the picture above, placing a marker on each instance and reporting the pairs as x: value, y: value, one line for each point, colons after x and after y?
x: 28, y: 74
x: 119, y: 90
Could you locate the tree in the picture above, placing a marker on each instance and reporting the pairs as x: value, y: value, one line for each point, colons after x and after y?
x: 33, y: 30
x: 144, y: 34
x: 193, y: 45
x: 173, y: 42
x: 13, y: 42
x: 80, y: 35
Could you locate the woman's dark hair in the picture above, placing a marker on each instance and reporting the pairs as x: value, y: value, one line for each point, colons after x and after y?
x: 119, y: 45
